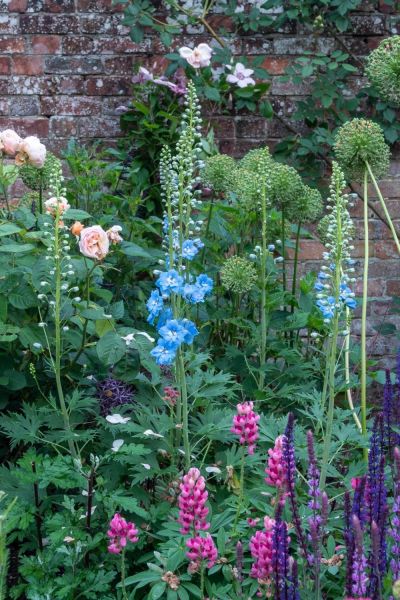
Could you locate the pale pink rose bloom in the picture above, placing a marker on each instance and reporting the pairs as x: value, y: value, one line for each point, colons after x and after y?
x: 200, y: 56
x: 94, y: 242
x: 52, y: 203
x: 113, y: 234
x: 241, y: 76
x: 31, y: 151
x: 10, y: 141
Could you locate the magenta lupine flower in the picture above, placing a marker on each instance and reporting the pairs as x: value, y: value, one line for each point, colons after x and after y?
x: 245, y: 425
x: 192, y: 500
x: 275, y: 469
x: 262, y: 550
x: 121, y: 532
x: 201, y: 549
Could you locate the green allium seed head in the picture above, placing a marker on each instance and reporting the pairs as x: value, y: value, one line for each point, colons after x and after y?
x: 218, y: 171
x: 257, y: 160
x: 238, y: 275
x: 285, y: 186
x: 359, y: 141
x: 35, y: 178
x: 383, y: 69
x: 306, y: 207
x: 246, y: 187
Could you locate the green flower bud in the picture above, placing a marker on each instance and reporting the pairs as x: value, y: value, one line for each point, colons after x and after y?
x: 396, y: 589
x: 383, y: 69
x: 218, y: 171
x: 246, y: 187
x: 306, y: 207
x: 37, y: 179
x: 238, y: 275
x: 285, y: 186
x: 360, y: 141
x: 257, y: 160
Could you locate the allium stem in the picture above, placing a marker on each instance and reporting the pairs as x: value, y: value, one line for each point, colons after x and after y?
x: 347, y: 374
x: 263, y: 261
x: 363, y: 377
x: 295, y: 262
x: 383, y: 204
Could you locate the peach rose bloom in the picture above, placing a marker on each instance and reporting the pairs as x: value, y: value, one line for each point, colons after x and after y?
x: 113, y: 234
x: 10, y: 141
x: 94, y: 242
x: 52, y: 203
x: 77, y: 228
x: 31, y: 151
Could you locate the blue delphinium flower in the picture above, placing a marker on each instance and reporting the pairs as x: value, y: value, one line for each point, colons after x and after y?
x: 178, y: 287
x: 170, y: 281
x: 336, y: 229
x: 189, y: 249
x: 173, y: 332
x: 164, y: 352
x: 154, y: 305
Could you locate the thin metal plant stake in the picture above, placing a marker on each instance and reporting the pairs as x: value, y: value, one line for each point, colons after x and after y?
x: 363, y: 375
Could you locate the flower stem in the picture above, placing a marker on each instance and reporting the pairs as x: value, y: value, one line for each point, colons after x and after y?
x: 383, y: 204
x: 263, y: 316
x: 363, y: 377
x: 57, y: 327
x: 347, y: 373
x: 331, y: 402
x: 241, y: 492
x: 202, y: 581
x: 185, y: 409
x: 124, y: 594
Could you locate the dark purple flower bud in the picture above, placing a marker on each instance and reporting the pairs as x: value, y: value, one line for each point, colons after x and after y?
x: 290, y: 467
x: 112, y: 393
x: 293, y: 592
x: 239, y: 561
x: 388, y: 412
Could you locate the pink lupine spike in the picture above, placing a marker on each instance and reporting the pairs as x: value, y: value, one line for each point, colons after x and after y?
x: 245, y: 425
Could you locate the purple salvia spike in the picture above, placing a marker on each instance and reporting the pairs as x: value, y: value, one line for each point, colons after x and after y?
x: 388, y: 411
x: 290, y: 467
x: 294, y: 593
x: 315, y: 521
x: 374, y: 587
x: 359, y: 564
x: 239, y: 561
x: 395, y: 521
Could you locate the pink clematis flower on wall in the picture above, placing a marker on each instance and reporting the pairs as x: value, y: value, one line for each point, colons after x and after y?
x: 199, y: 57
x: 241, y: 76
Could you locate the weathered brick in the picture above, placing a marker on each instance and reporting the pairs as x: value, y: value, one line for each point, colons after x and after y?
x: 275, y: 66
x: 83, y: 65
x: 123, y: 65
x: 376, y: 287
x: 19, y: 6
x: 250, y: 128
x: 393, y: 287
x: 46, y: 44
x: 256, y: 45
x: 4, y: 106
x: 78, y: 44
x: 224, y: 127
x: 48, y: 24
x: 9, y: 24
x: 27, y: 125
x: 110, y: 105
x: 90, y: 127
x: 65, y: 127
x: 70, y: 105
x: 108, y: 86
x: 97, y: 24
x: 59, y: 6
x: 368, y: 24
x: 9, y: 45
x: 98, y: 6
x: 297, y: 46
x: 46, y: 85
x: 22, y: 106
x: 5, y: 65
x: 27, y: 65
x: 121, y: 45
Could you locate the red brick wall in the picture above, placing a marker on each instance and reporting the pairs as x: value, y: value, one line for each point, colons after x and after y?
x: 65, y: 65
